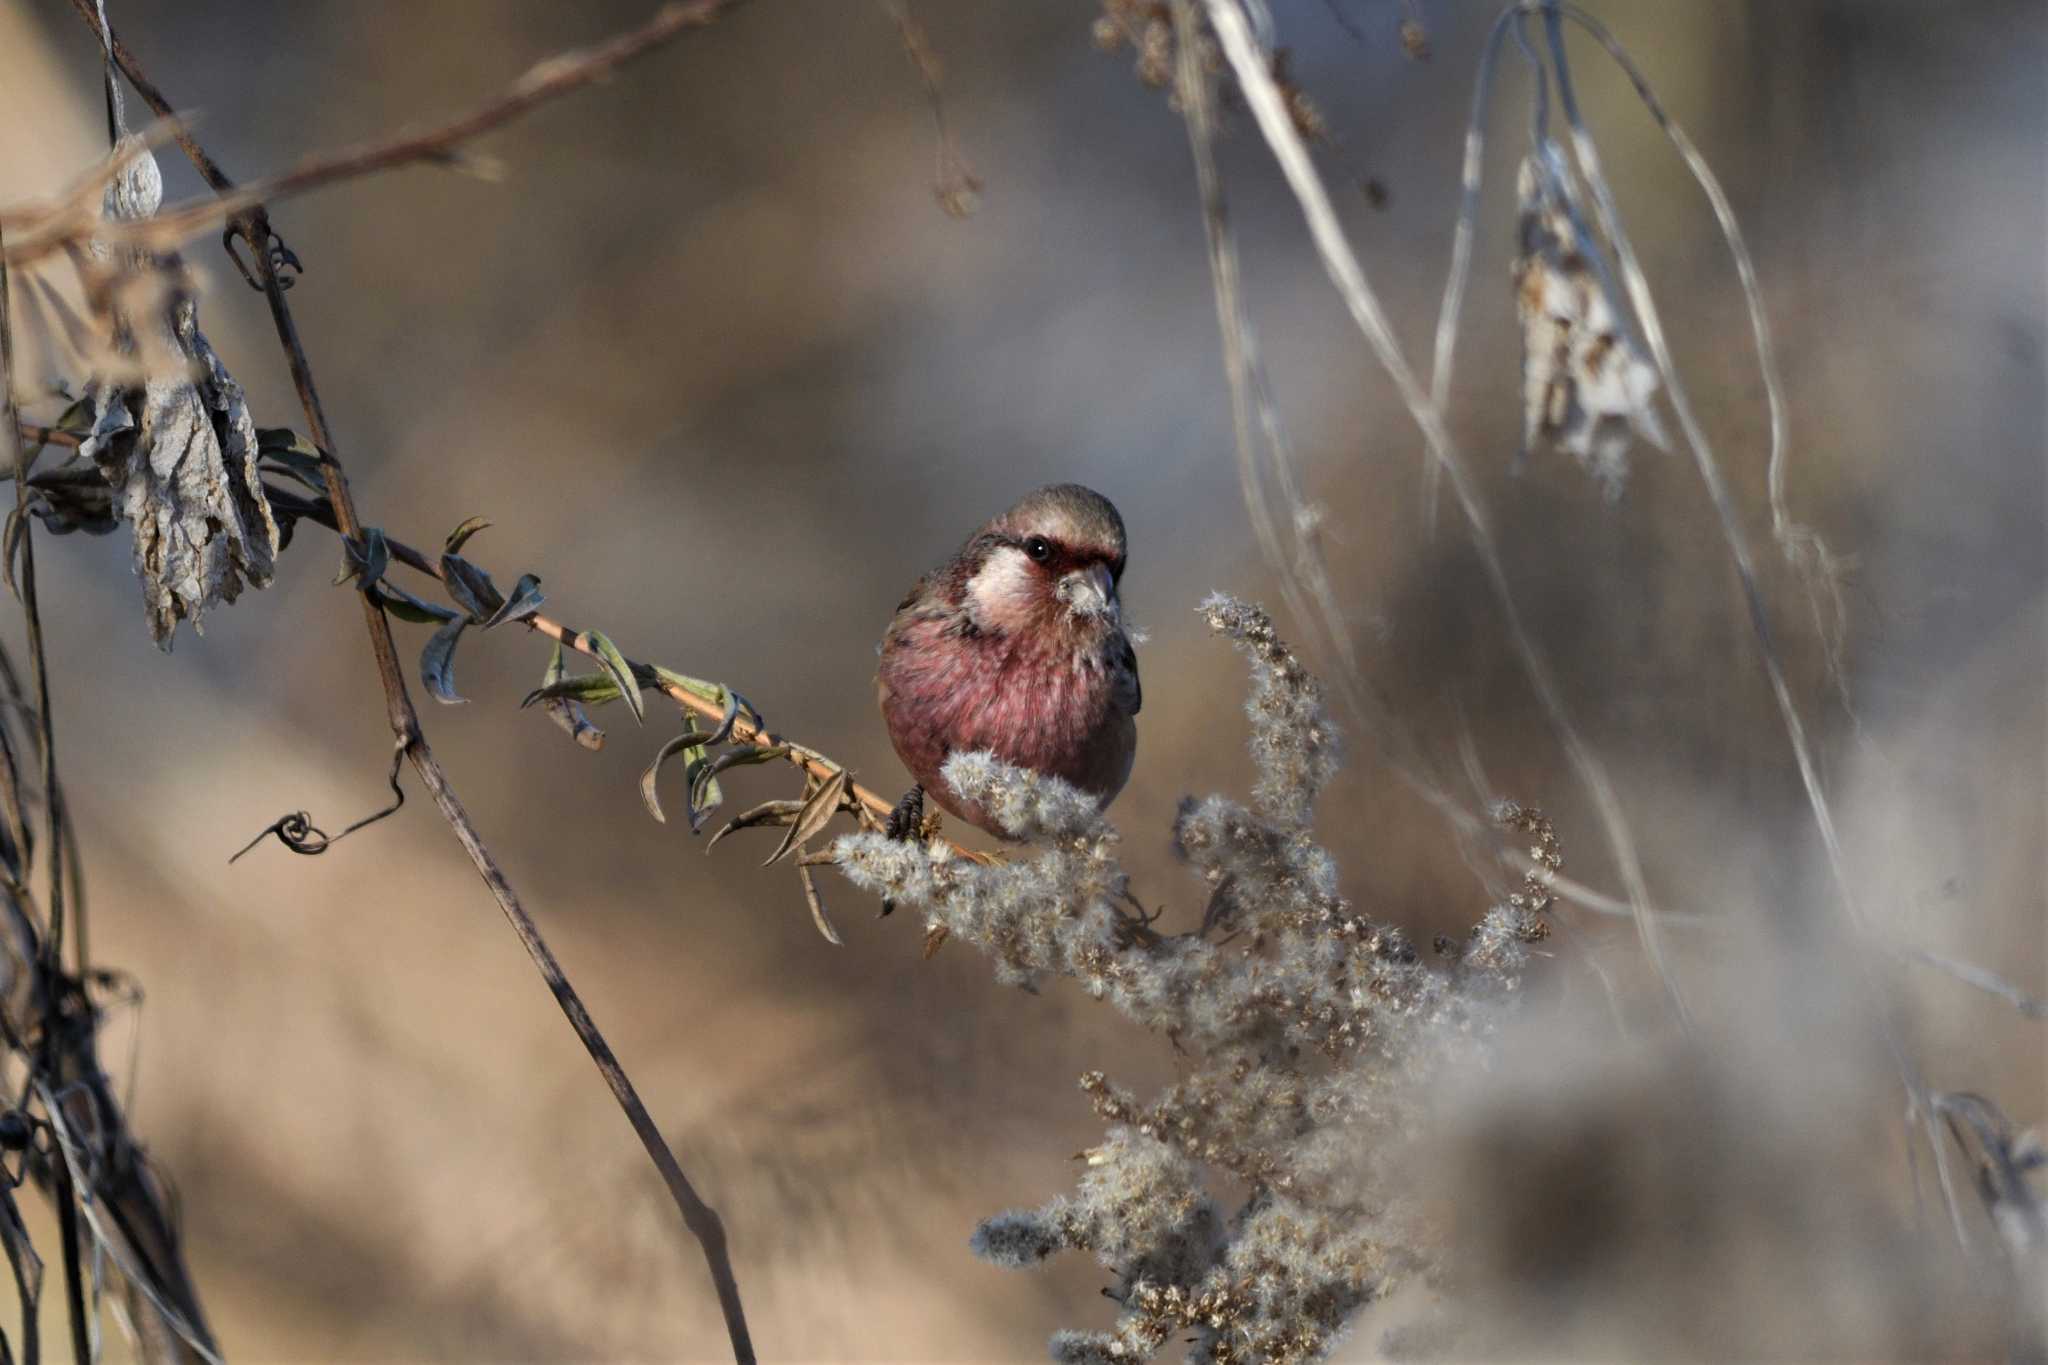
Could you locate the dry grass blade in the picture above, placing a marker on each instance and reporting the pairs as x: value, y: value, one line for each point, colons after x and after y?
x: 649, y: 779
x: 1991, y: 983
x: 818, y: 915
x: 772, y: 813
x: 1270, y: 109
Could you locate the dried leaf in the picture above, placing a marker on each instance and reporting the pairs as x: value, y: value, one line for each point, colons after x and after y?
x: 705, y: 793
x: 459, y: 537
x: 818, y: 809
x: 621, y: 672
x: 935, y: 939
x: 367, y: 563
x: 526, y: 599
x: 818, y: 915
x: 767, y: 813
x: 688, y: 740
x: 562, y: 710
x: 437, y: 662
x: 1585, y: 385
x: 470, y: 587
x: 172, y: 433
x: 593, y: 688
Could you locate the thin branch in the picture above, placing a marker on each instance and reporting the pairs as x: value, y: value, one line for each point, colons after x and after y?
x: 546, y: 80
x: 954, y: 183
x: 1970, y: 974
x: 1269, y: 108
x: 53, y: 938
x: 1719, y: 493
x: 743, y: 731
x: 1471, y: 177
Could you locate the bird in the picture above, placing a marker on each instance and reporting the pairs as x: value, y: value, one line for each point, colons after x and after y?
x: 1016, y: 645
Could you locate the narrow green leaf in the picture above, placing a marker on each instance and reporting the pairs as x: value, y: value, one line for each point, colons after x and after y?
x: 563, y: 711
x: 705, y: 794
x: 594, y: 688
x: 470, y: 587
x: 294, y: 456
x: 621, y: 672
x: 709, y: 691
x: 525, y: 600
x: 282, y: 440
x: 459, y: 537
x: 685, y: 742
x: 406, y: 607
x: 366, y: 562
x: 437, y: 662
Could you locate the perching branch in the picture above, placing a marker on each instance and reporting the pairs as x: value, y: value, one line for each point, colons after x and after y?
x: 744, y: 729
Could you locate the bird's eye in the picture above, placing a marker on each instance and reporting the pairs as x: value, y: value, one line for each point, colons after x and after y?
x: 1039, y: 548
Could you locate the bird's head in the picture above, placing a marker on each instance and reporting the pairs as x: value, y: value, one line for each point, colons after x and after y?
x: 1053, y: 560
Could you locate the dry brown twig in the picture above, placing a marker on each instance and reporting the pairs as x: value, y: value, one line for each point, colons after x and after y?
x: 100, y: 1181
x: 242, y: 206
x: 244, y: 209
x: 954, y: 183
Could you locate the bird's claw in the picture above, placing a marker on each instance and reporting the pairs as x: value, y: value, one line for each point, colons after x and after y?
x: 907, y: 820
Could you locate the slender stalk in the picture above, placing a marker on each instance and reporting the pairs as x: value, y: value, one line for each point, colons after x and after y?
x: 242, y: 206
x: 1347, y: 274
x: 545, y: 81
x: 744, y: 731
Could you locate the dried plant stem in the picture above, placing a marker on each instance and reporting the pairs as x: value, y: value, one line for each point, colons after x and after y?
x: 744, y: 731
x: 1471, y: 176
x: 31, y: 611
x: 1709, y: 468
x: 1269, y: 108
x: 1970, y: 974
x: 242, y: 206
x: 65, y: 1040
x: 544, y: 81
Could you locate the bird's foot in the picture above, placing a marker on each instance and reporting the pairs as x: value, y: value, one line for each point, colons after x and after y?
x: 908, y: 818
x: 905, y: 822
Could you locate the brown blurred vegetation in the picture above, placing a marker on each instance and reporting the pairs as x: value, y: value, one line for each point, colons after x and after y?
x: 725, y: 376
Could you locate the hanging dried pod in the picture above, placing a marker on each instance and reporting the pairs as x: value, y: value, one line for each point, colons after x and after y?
x: 1587, y: 389
x: 171, y: 432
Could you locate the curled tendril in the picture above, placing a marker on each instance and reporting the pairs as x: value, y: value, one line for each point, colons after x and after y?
x: 298, y: 833
x: 282, y: 260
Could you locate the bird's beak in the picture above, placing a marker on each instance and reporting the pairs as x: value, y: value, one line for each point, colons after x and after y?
x: 1089, y: 592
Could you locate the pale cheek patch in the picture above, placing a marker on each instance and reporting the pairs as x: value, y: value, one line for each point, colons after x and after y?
x: 1005, y: 592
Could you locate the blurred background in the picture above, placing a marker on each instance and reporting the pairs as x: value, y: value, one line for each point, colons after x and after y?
x: 720, y: 370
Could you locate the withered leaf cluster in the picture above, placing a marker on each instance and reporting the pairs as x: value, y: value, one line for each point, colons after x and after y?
x: 1586, y: 386
x: 170, y: 430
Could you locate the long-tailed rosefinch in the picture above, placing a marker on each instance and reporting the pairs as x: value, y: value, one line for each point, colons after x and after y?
x: 1016, y: 645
